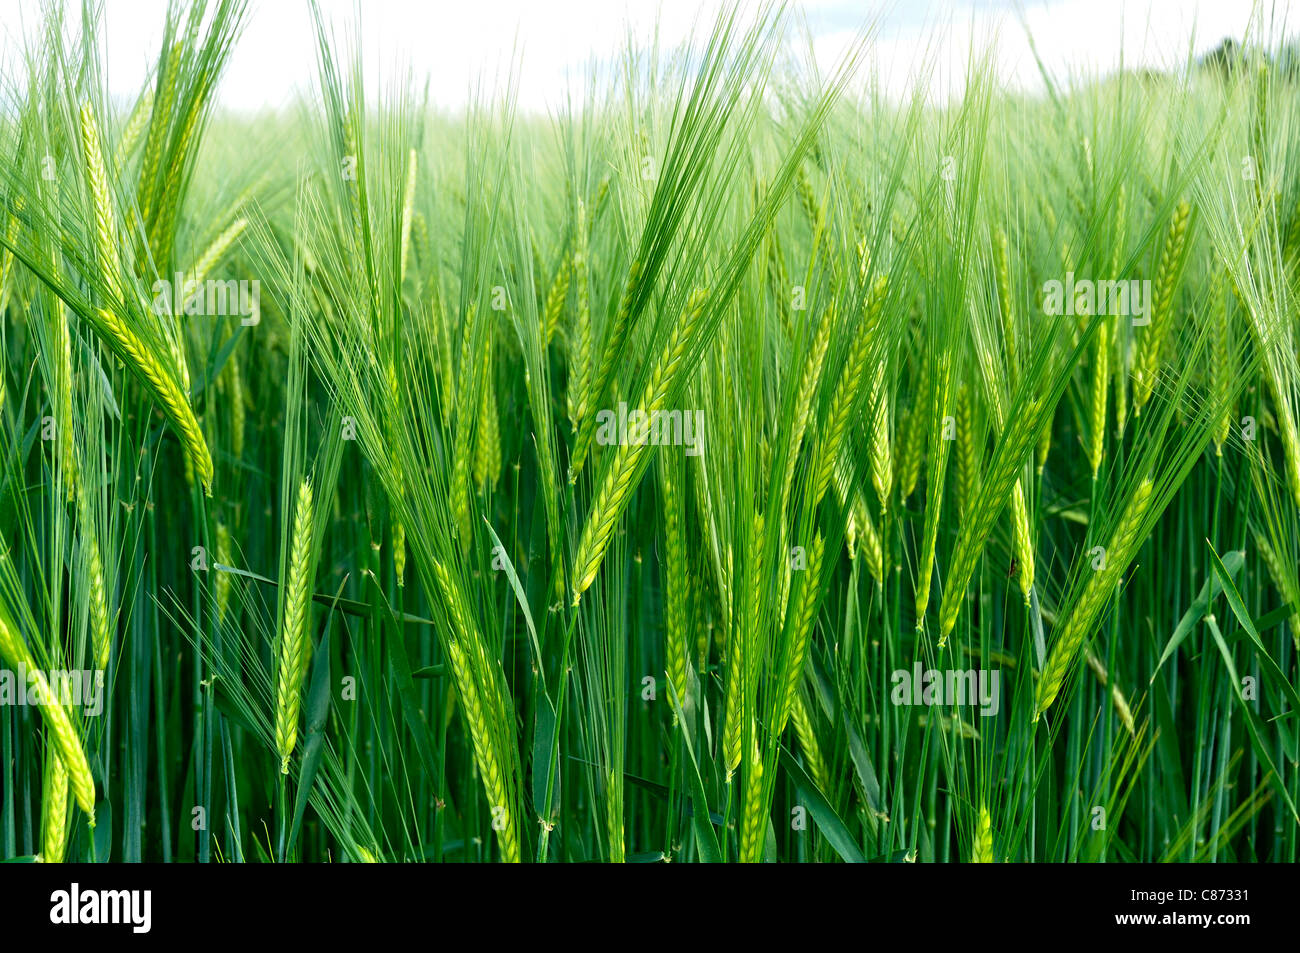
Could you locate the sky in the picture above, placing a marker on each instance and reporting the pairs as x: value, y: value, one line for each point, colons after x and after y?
x: 457, y: 45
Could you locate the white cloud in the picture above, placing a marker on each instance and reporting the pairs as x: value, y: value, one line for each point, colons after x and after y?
x: 458, y: 43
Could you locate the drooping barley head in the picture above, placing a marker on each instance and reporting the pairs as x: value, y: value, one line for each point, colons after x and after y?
x: 1074, y: 628
x: 295, y: 636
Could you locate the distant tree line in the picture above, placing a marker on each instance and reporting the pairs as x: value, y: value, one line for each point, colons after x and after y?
x: 1230, y: 55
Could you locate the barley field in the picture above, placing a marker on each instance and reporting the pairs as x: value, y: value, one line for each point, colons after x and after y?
x: 739, y: 464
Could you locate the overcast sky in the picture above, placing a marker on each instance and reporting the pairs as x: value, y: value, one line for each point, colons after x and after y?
x: 455, y: 43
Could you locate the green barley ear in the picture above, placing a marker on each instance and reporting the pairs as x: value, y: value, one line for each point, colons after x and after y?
x: 465, y: 364
x: 1118, y: 701
x: 868, y: 537
x: 752, y: 827
x: 487, y: 436
x: 967, y: 463
x: 701, y: 624
x: 57, y: 722
x: 224, y: 558
x: 216, y: 251
x: 160, y: 119
x: 1151, y: 342
x: 625, y: 466
x: 940, y: 396
x: 812, y: 751
x: 295, y: 637
x: 399, y: 552
x: 807, y: 198
x: 803, y: 404
x: 994, y: 492
x: 462, y: 446
x: 1222, y: 369
x: 778, y: 275
x: 882, y: 460
x: 1044, y: 448
x: 615, y: 828
x: 162, y: 229
x: 740, y: 647
x: 555, y: 299
x: 480, y: 735
x: 1076, y: 625
x: 847, y: 390
x: 579, y: 389
x: 161, y: 382
x: 489, y: 766
x: 1283, y: 581
x: 617, y: 335
x: 238, y: 411
x: 677, y: 583
x: 1021, y: 534
x: 398, y: 530
x: 1121, y: 385
x: 1002, y: 277
x: 859, y: 531
x: 982, y: 853
x: 913, y: 432
x: 6, y: 272
x: 164, y: 389
x: 54, y: 807
x: 1097, y: 397
x: 423, y: 250
x: 989, y: 501
x: 1112, y: 329
x: 172, y: 338
x: 67, y: 442
x: 101, y: 629
x: 135, y: 126
x: 1022, y: 539
x: 801, y: 633
x: 408, y: 209
x: 106, y: 241
x: 1277, y: 353
x: 485, y: 709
